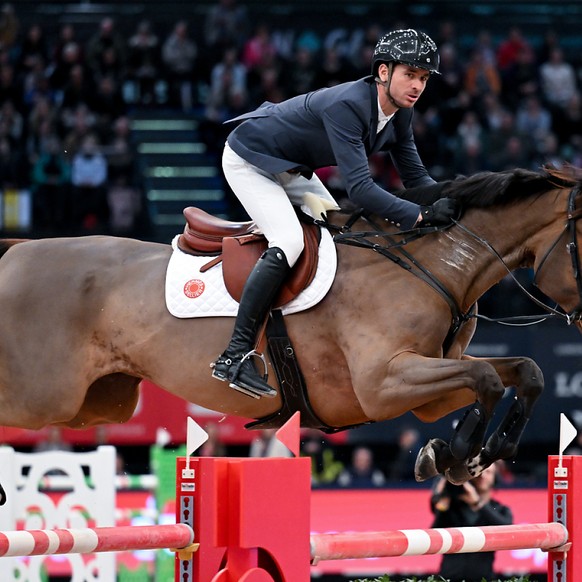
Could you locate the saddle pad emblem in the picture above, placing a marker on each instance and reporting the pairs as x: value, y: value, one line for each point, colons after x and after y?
x: 194, y: 288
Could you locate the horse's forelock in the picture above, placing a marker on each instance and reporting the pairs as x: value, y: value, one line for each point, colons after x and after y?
x: 486, y: 189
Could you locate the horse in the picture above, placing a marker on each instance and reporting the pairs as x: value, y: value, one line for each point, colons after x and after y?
x: 84, y: 321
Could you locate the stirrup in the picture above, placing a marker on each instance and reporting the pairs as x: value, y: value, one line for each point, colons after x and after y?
x: 247, y: 389
x: 232, y: 373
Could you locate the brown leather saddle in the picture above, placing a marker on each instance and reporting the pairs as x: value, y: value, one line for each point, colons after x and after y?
x: 238, y: 246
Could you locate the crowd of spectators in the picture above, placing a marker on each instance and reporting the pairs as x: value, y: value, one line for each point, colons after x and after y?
x: 66, y: 101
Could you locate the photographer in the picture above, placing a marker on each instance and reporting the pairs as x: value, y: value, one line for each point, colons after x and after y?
x: 470, y: 504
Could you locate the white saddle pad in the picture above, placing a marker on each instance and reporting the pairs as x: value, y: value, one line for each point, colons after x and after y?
x: 190, y: 293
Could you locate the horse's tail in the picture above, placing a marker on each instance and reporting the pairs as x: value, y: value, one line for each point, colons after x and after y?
x: 6, y: 243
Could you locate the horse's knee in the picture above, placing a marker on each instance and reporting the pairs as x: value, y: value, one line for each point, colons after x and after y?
x: 532, y: 379
x: 487, y: 384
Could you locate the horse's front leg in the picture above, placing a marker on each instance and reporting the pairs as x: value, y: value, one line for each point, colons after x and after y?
x: 525, y: 375
x: 432, y: 388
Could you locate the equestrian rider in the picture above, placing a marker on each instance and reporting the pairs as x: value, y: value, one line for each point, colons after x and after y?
x: 269, y: 161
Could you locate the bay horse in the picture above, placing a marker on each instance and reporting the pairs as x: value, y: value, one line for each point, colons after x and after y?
x: 84, y: 320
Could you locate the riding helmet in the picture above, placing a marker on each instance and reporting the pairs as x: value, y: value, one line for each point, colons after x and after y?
x: 409, y: 47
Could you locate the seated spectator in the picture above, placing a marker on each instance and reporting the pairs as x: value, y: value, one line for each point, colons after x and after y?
x: 266, y: 444
x: 89, y: 192
x: 13, y: 166
x: 228, y: 94
x: 362, y: 472
x: 106, y: 50
x: 521, y: 80
x: 107, y: 104
x: 509, y: 49
x: 226, y: 25
x: 259, y: 49
x: 409, y: 444
x: 325, y: 468
x: 41, y: 121
x: 333, y: 69
x: 481, y: 78
x: 179, y: 54
x: 9, y: 27
x: 568, y: 124
x: 119, y: 151
x: 33, y: 49
x: 445, y: 88
x: 302, y: 74
x: 10, y: 86
x: 533, y: 119
x: 76, y: 125
x: 469, y: 145
x: 67, y: 54
x: 51, y: 176
x: 144, y: 62
x: 79, y: 90
x: 35, y: 86
x: 214, y: 446
x: 125, y: 205
x: 558, y: 80
x: 12, y: 124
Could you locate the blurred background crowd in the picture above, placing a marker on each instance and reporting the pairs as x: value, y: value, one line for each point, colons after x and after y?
x: 74, y: 83
x: 68, y: 93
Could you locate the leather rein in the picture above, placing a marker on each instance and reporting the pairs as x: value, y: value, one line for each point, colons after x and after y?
x: 404, y: 260
x: 394, y: 243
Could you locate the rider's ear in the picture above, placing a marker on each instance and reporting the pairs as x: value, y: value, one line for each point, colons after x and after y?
x: 383, y: 72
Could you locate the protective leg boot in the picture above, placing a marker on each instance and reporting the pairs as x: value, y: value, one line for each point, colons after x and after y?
x: 236, y: 364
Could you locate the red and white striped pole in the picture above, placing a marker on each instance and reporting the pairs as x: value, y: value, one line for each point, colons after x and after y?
x: 421, y: 542
x: 100, y: 539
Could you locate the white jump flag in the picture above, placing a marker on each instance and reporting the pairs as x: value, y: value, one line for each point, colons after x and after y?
x: 196, y: 436
x: 568, y: 433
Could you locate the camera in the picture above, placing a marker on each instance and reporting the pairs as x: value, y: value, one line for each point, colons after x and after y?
x: 453, y: 491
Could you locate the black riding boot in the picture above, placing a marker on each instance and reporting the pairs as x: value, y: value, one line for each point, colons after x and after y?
x: 236, y: 364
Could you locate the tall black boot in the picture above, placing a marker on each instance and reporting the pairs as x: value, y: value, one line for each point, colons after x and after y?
x: 236, y: 365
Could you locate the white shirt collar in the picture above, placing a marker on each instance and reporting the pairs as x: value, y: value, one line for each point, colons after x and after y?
x: 383, y: 119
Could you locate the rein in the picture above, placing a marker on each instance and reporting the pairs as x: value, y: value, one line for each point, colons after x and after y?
x: 406, y: 261
x: 409, y: 263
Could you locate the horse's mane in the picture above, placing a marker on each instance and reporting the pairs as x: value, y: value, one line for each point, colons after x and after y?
x: 486, y: 189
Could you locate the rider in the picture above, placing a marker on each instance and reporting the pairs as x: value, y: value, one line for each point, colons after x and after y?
x: 269, y: 160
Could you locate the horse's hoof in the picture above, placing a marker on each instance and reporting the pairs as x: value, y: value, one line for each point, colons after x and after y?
x: 426, y: 463
x: 458, y: 474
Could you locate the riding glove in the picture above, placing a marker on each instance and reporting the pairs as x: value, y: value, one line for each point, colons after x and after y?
x: 441, y: 212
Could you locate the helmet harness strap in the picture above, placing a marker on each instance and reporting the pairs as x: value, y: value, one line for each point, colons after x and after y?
x: 387, y: 83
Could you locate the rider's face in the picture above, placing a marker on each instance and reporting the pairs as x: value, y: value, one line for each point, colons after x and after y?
x: 407, y: 84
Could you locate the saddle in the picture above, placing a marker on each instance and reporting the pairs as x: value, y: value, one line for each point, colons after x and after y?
x: 239, y: 245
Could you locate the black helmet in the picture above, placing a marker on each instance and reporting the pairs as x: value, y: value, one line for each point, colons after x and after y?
x: 409, y: 47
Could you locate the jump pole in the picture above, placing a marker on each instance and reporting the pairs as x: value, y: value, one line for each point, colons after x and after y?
x: 90, y: 540
x: 251, y: 519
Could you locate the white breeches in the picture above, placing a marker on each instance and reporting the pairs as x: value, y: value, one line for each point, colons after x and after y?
x: 269, y: 199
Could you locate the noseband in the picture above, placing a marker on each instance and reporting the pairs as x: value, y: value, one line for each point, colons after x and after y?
x: 574, y: 214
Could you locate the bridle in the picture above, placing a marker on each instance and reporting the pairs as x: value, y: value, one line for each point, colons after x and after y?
x: 573, y: 215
